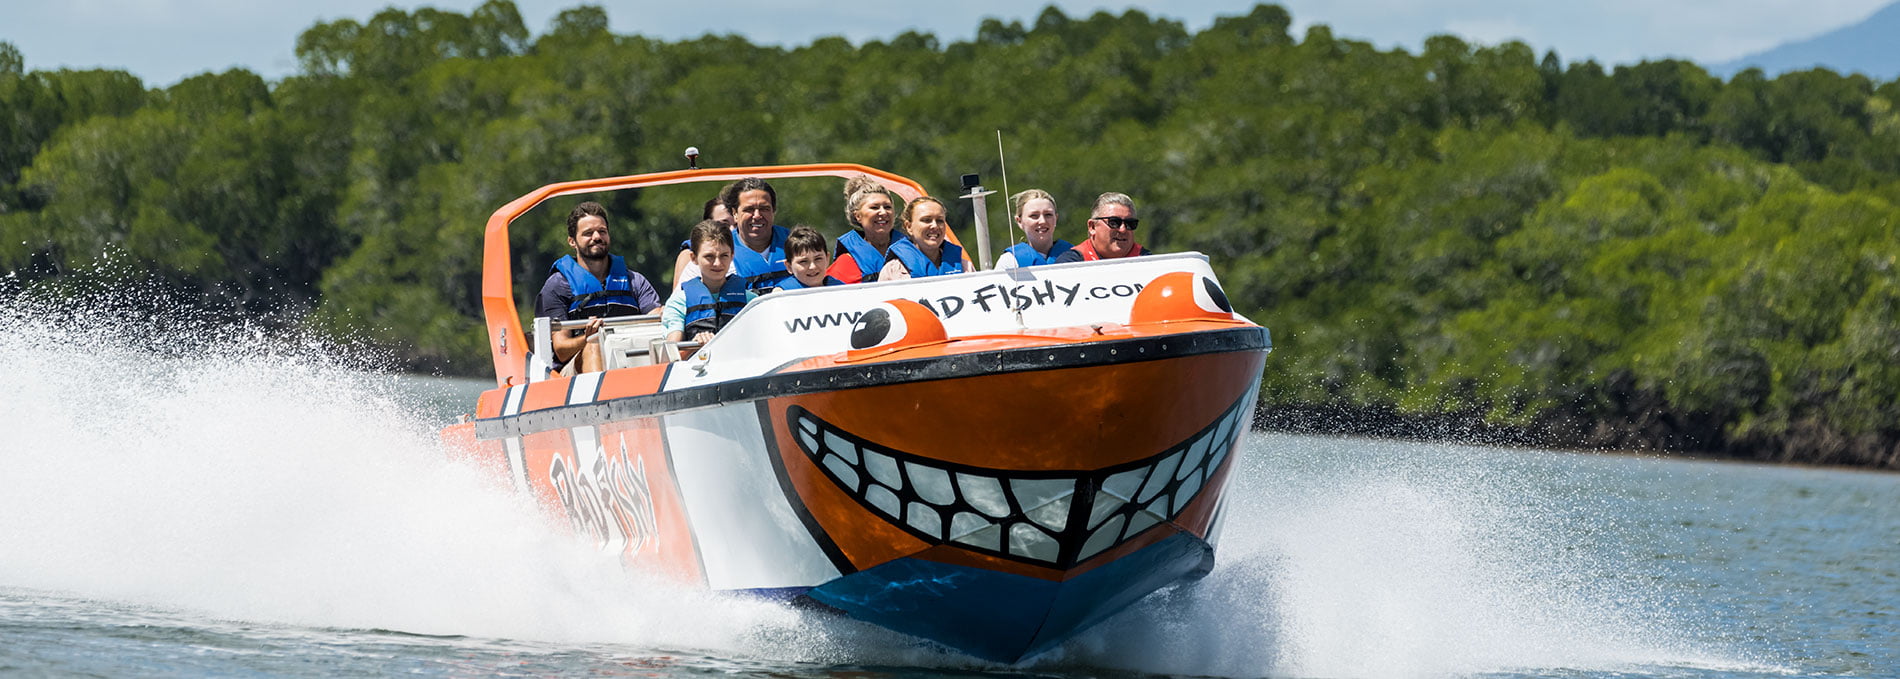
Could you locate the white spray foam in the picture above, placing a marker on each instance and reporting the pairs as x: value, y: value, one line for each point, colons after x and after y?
x: 274, y: 485
x: 1399, y: 560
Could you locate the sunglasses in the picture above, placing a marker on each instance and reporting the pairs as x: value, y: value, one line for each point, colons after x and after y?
x: 1118, y: 222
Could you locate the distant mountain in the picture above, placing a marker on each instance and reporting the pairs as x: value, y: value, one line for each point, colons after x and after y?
x: 1871, y: 47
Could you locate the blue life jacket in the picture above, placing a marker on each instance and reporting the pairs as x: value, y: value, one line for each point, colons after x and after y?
x: 864, y: 254
x: 761, y: 270
x: 591, y: 297
x: 794, y: 284
x: 920, y: 266
x: 1027, y: 256
x: 706, y: 312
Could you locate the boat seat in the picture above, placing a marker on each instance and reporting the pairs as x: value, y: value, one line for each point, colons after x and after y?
x: 627, y: 341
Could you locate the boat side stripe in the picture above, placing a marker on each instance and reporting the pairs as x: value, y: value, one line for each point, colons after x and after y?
x: 1027, y: 359
x: 584, y: 388
x: 511, y: 406
x: 517, y: 463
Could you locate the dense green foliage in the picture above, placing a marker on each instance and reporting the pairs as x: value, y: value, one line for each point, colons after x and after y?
x: 1646, y: 255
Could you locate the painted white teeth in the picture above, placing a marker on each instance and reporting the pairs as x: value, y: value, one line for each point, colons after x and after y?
x: 931, y: 483
x: 1053, y: 515
x: 1032, y: 493
x: 924, y: 519
x: 884, y: 469
x: 842, y: 447
x: 1025, y: 518
x: 1194, y: 457
x: 1186, y: 492
x: 1125, y: 484
x: 966, y: 523
x: 1226, y: 425
x: 1026, y: 541
x: 882, y: 498
x: 1141, y: 521
x: 1102, y: 538
x: 1159, y: 479
x: 846, y: 475
x: 1104, y: 505
x: 989, y: 537
x: 984, y: 493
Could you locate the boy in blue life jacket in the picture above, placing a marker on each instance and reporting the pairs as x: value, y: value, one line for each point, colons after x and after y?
x: 807, y: 258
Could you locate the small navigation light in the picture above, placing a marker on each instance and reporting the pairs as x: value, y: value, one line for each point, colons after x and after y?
x: 692, y: 157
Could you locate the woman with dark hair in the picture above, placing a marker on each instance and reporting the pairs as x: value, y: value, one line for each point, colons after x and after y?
x: 861, y: 251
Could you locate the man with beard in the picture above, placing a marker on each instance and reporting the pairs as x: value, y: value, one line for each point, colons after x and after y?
x: 1111, y: 231
x: 590, y: 284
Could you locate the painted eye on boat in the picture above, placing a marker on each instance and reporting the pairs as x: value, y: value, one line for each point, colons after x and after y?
x: 895, y: 324
x: 874, y: 326
x: 1211, y: 298
x: 1181, y: 296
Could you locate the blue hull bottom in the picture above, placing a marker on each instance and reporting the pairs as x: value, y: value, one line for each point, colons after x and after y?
x: 1001, y: 616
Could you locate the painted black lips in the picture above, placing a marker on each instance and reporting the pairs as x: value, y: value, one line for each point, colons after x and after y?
x: 1045, y: 518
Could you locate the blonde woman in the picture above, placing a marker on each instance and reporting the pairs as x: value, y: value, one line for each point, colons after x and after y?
x: 1035, y: 213
x: 861, y: 252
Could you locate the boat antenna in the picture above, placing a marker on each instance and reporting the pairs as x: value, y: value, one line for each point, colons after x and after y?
x: 976, y: 194
x: 1010, y: 223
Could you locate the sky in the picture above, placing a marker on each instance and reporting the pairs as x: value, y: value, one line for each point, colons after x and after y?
x: 163, y: 41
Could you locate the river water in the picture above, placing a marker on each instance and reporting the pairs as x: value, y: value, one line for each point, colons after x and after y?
x: 184, y: 513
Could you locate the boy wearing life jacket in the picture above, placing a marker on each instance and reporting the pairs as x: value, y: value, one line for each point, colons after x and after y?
x: 807, y: 258
x: 703, y: 305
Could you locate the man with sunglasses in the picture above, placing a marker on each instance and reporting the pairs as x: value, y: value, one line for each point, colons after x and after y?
x: 1111, y: 231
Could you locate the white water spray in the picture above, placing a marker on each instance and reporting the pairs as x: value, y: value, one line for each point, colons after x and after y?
x: 1349, y: 558
x: 273, y: 483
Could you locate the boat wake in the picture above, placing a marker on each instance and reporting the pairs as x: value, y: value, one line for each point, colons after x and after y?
x: 219, y: 469
x: 1396, y: 559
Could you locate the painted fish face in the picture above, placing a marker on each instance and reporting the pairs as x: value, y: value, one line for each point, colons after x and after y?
x: 1052, y: 519
x: 985, y: 471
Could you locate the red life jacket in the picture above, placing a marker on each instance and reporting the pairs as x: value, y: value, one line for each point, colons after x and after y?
x: 1087, y: 248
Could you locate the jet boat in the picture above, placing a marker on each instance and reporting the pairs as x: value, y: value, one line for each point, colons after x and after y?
x: 992, y: 461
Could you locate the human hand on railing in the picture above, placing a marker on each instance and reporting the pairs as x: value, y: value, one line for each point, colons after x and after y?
x: 703, y: 337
